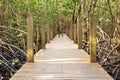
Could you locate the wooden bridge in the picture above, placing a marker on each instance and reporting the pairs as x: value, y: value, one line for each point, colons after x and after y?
x: 61, y: 60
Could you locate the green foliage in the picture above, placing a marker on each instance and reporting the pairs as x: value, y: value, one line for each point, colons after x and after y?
x: 48, y: 10
x: 15, y: 62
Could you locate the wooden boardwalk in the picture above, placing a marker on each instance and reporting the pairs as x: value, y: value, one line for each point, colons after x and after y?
x: 61, y: 61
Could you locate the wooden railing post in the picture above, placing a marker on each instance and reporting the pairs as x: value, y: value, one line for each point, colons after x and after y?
x: 66, y: 31
x: 93, y: 38
x: 70, y: 31
x: 30, y: 54
x: 51, y: 32
x: 43, y: 35
x: 80, y: 33
x: 48, y: 34
x: 38, y: 38
x: 75, y: 32
x: 54, y: 31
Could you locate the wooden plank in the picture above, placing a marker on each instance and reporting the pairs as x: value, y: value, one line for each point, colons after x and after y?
x: 61, y: 60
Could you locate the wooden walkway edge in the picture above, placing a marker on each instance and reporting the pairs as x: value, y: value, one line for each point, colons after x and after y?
x: 61, y: 60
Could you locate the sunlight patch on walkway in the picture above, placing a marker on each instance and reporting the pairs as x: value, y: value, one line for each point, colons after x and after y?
x: 64, y: 60
x: 44, y: 77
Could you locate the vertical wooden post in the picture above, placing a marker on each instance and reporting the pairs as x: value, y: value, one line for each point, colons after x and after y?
x: 30, y: 54
x: 69, y: 31
x: 80, y: 34
x: 75, y: 32
x: 72, y: 31
x: 43, y: 35
x: 48, y: 34
x: 83, y: 12
x: 66, y: 29
x: 54, y: 31
x: 51, y: 32
x: 38, y: 37
x: 93, y: 38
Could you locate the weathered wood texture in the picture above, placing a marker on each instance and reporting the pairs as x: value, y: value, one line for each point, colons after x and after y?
x: 75, y: 32
x: 80, y: 33
x: 43, y: 35
x: 30, y: 54
x: 61, y: 60
x: 48, y: 33
x: 93, y: 38
x: 72, y: 31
